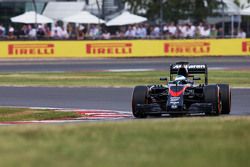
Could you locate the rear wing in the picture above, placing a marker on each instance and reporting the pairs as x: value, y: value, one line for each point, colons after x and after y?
x: 191, y: 68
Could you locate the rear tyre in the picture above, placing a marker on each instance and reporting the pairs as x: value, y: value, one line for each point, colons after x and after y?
x: 225, y: 98
x: 212, y: 95
x: 140, y: 94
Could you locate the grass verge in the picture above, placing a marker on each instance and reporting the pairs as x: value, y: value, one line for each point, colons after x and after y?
x: 24, y: 114
x: 126, y: 79
x: 189, y: 142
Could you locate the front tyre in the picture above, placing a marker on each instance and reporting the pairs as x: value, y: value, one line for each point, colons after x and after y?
x: 139, y: 96
x: 212, y: 95
x: 225, y: 98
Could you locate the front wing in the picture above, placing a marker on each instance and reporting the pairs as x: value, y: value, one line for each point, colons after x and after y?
x: 153, y: 109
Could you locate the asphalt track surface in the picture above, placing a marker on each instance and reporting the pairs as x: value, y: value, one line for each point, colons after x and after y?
x: 45, y: 65
x: 104, y: 98
x: 118, y: 99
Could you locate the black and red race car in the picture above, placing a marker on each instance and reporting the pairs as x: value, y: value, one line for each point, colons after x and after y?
x: 182, y: 95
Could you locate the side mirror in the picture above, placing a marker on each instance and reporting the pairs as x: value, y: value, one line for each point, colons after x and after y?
x: 163, y: 79
x: 196, y: 78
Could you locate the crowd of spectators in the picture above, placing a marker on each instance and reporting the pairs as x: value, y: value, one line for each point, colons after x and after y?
x: 137, y: 31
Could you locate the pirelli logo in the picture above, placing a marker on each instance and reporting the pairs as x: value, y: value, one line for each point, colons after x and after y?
x: 31, y: 49
x: 246, y: 46
x: 109, y: 48
x: 190, y: 47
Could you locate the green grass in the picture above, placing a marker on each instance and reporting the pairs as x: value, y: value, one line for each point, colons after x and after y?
x: 126, y: 79
x: 24, y: 114
x: 189, y: 142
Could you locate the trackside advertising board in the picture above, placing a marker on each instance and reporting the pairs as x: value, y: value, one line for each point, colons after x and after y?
x: 124, y: 48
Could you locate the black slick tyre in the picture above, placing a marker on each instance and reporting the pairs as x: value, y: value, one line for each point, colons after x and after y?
x: 212, y: 95
x: 139, y: 96
x: 225, y: 98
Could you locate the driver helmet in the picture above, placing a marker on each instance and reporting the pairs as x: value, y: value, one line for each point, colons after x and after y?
x: 180, y: 78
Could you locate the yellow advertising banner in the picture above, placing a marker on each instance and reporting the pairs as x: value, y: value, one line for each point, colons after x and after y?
x: 124, y: 48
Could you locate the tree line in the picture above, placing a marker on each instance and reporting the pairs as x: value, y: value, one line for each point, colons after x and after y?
x: 174, y: 10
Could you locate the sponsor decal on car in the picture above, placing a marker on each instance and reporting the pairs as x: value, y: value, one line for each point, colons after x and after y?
x: 109, y: 48
x: 202, y: 66
x: 174, y: 99
x: 31, y: 49
x: 187, y: 47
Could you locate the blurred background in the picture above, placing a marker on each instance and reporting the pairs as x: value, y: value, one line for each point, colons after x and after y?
x: 164, y: 18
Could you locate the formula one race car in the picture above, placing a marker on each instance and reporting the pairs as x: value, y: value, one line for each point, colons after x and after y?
x: 182, y: 96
